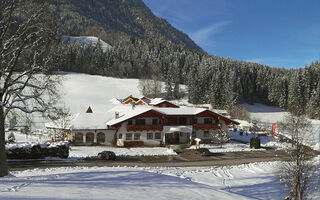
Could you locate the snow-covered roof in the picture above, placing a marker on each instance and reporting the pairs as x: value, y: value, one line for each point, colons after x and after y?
x: 180, y: 111
x: 126, y: 112
x: 62, y: 123
x: 156, y: 101
x: 115, y: 101
x: 91, y: 121
x: 83, y: 121
x: 101, y: 119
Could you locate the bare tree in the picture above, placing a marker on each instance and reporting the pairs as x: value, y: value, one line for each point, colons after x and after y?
x: 221, y: 136
x: 239, y: 112
x: 27, y: 32
x: 297, y: 173
x: 150, y: 87
x: 61, y: 119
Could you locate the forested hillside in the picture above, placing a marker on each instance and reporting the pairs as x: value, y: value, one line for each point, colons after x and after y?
x: 155, y: 50
x: 114, y: 20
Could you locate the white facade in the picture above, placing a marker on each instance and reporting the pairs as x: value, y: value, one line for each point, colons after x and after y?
x: 90, y: 137
x: 186, y: 133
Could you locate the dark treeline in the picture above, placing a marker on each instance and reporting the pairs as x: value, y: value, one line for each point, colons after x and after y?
x: 210, y: 79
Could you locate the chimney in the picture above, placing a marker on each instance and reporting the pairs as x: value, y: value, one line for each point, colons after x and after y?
x: 133, y: 104
x: 116, y: 115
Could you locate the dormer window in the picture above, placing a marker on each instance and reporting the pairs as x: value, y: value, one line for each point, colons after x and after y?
x: 207, y: 120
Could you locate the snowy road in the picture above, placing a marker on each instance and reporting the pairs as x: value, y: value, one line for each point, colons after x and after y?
x: 190, y: 158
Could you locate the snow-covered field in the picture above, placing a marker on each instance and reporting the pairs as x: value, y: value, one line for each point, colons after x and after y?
x: 79, y: 91
x: 264, y: 113
x: 252, y: 181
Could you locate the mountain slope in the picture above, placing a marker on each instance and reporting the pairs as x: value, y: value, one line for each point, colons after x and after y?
x: 112, y: 20
x: 88, y: 40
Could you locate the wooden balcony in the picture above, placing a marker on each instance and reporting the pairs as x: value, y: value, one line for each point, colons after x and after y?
x: 205, y: 126
x: 144, y: 127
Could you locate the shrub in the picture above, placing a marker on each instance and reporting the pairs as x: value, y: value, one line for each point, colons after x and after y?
x: 133, y: 143
x: 255, y: 143
x: 38, y: 151
x: 239, y: 112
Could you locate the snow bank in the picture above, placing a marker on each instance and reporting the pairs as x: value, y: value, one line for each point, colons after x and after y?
x: 29, y: 145
x: 228, y: 147
x: 83, y: 151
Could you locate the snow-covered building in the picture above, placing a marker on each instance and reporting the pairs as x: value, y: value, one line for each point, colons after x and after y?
x: 160, y: 103
x: 145, y: 101
x: 128, y: 125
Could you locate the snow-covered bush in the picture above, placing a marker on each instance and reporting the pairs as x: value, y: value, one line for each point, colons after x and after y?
x: 255, y: 143
x: 37, y: 151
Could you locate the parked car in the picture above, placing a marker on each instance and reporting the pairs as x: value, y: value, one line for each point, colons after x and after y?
x: 107, y: 155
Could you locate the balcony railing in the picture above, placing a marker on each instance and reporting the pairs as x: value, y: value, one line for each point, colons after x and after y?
x: 205, y: 126
x: 144, y: 127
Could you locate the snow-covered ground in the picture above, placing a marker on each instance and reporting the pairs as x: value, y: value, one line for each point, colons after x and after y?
x: 228, y: 147
x: 252, y: 181
x: 79, y: 91
x: 83, y: 151
x: 270, y: 114
x: 22, y: 138
x: 266, y: 141
x: 264, y: 113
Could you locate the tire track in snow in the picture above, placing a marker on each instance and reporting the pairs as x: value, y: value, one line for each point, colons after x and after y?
x: 227, y: 177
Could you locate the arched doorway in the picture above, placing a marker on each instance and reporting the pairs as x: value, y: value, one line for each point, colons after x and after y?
x: 90, y: 137
x: 101, y: 138
x: 78, y: 138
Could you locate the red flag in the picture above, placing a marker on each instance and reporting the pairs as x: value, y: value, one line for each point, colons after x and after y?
x: 274, y: 129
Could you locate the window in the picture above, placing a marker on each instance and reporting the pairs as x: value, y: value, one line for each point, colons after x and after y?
x: 149, y: 136
x: 137, y: 136
x: 207, y: 120
x: 79, y: 137
x: 217, y: 121
x: 129, y: 136
x: 182, y: 121
x: 155, y: 121
x: 140, y: 122
x: 130, y: 122
x: 172, y: 121
x: 206, y: 134
x: 120, y: 136
x: 90, y: 137
x: 194, y: 134
x: 195, y: 121
x: 157, y: 136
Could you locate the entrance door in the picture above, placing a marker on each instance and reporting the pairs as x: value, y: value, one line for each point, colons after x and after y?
x: 172, y: 138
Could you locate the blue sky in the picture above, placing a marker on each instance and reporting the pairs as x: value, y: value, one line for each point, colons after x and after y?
x: 280, y: 33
